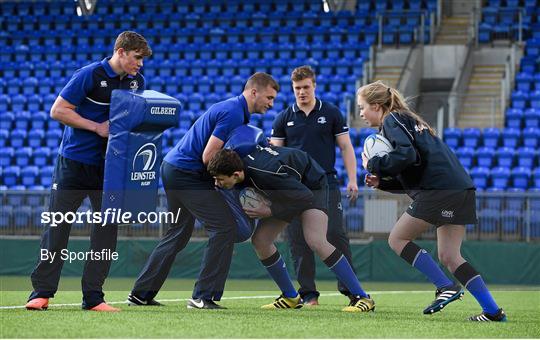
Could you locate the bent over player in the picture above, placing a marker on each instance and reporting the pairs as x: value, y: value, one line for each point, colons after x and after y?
x: 443, y: 195
x: 83, y: 107
x: 296, y: 186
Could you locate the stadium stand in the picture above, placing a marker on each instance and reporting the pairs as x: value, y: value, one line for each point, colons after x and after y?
x: 204, y: 50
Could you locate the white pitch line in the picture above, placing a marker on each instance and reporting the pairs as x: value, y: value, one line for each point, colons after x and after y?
x: 381, y: 292
x: 232, y: 298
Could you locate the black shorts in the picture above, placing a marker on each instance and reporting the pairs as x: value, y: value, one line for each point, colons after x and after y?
x: 440, y: 207
x: 320, y: 201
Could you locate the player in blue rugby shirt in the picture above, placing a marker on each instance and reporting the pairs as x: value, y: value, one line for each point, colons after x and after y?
x: 83, y: 107
x: 296, y: 187
x: 190, y: 190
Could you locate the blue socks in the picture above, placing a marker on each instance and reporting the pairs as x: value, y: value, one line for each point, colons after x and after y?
x: 421, y: 260
x: 278, y: 271
x: 341, y: 267
x: 472, y: 280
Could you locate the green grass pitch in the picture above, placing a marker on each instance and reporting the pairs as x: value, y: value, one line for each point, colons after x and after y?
x: 398, y: 314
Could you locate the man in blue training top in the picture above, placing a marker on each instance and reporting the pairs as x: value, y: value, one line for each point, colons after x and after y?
x: 83, y: 107
x: 190, y: 190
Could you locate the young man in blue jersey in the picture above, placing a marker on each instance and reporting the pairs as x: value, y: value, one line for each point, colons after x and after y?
x: 316, y: 127
x: 83, y: 107
x: 190, y: 190
x: 296, y: 187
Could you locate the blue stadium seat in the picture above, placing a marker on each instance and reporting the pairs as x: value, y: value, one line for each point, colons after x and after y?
x: 29, y: 86
x: 213, y: 68
x: 34, y: 103
x: 6, y: 215
x: 480, y: 176
x: 22, y: 216
x: 532, y: 118
x: 45, y: 176
x: 471, y: 137
x: 23, y: 156
x: 535, y: 99
x: 536, y: 177
x: 221, y: 84
x: 38, y: 120
x: 519, y: 99
x: 18, y: 103
x: 526, y: 157
x: 452, y: 137
x: 11, y: 175
x: 6, y: 120
x: 505, y: 157
x: 197, y: 68
x: 23, y: 120
x: 406, y: 35
x: 510, y: 221
x: 196, y: 101
x: 514, y: 118
x: 494, y: 198
x: 537, y: 81
x: 488, y: 220
x: 6, y: 156
x: 389, y: 34
x: 18, y: 138
x: 484, y: 32
x: 204, y: 84
x: 491, y: 137
x: 181, y: 68
x: 53, y: 124
x: 465, y: 156
x: 165, y: 68
x: 515, y: 200
x: 524, y: 81
x: 35, y: 138
x: 510, y: 137
x: 48, y: 101
x: 4, y: 136
x: 29, y: 175
x: 520, y: 177
x: 5, y: 104
x: 500, y: 177
x: 528, y: 64
x: 41, y: 156
x: 531, y: 137
x: 53, y: 137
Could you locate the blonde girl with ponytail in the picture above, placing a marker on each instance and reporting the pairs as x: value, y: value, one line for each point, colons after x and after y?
x: 443, y: 195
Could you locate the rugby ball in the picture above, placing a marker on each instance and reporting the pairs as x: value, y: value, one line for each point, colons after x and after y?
x: 376, y: 145
x: 251, y: 199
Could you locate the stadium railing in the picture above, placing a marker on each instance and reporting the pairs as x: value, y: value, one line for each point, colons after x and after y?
x: 504, y: 215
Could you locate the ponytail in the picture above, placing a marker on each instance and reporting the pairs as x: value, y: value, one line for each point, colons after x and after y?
x: 390, y: 100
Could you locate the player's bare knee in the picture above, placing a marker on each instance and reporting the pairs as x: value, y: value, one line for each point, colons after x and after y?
x: 395, y: 244
x: 449, y: 260
x: 259, y: 243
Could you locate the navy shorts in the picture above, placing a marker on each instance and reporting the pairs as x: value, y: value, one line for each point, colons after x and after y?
x: 440, y: 207
x: 320, y: 201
